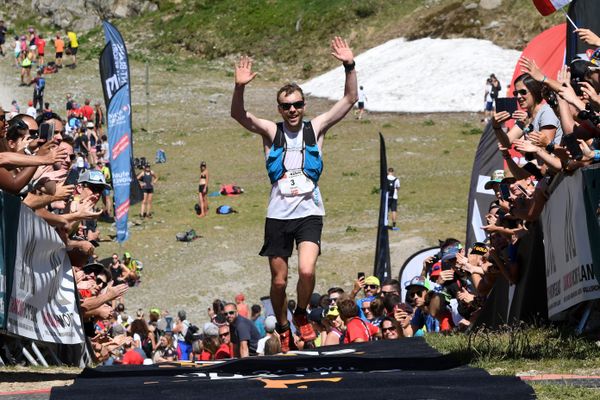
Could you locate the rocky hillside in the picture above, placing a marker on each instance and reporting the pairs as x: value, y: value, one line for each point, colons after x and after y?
x: 282, y: 32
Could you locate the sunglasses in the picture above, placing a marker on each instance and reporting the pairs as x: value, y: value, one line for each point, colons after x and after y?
x: 365, y: 309
x: 224, y: 334
x: 100, y: 282
x: 391, y: 328
x: 371, y: 286
x: 95, y: 188
x: 333, y: 299
x: 230, y: 312
x: 72, y: 157
x: 522, y: 92
x: 390, y: 292
x: 296, y: 104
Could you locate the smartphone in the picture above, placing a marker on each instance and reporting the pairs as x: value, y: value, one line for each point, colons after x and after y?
x: 72, y: 178
x: 571, y: 143
x: 523, y: 190
x: 46, y: 131
x: 361, y: 275
x: 504, y: 191
x: 508, y: 104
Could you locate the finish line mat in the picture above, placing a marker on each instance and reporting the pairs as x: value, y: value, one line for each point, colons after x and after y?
x: 406, y: 368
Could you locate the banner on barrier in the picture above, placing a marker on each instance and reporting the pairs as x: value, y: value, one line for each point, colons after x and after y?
x: 42, y: 304
x: 570, y: 277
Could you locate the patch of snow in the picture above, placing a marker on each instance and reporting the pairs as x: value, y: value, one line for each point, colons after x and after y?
x: 425, y: 75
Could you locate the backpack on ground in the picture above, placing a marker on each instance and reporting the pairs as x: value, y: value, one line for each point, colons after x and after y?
x: 225, y: 209
x: 161, y: 156
x: 197, y: 209
x: 231, y: 190
x: 186, y: 236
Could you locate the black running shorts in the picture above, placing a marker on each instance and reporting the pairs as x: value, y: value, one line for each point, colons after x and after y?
x: 392, y: 204
x: 280, y: 234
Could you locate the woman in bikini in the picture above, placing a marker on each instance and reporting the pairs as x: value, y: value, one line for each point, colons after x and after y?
x: 203, y: 190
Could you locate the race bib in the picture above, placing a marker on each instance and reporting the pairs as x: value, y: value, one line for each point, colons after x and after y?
x: 295, y: 183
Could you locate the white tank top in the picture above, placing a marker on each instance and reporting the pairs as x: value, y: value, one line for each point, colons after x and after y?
x: 292, y: 207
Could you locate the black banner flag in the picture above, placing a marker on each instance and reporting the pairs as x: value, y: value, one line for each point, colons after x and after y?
x: 382, y: 268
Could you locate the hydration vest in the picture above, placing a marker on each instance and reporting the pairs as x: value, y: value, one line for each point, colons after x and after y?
x: 312, y: 164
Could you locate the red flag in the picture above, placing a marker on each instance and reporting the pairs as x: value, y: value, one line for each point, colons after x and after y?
x: 547, y: 7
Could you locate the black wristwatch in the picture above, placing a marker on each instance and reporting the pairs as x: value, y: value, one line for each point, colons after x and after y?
x: 550, y: 147
x: 349, y: 67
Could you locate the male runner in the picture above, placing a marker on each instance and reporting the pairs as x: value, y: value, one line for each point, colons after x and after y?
x: 293, y: 158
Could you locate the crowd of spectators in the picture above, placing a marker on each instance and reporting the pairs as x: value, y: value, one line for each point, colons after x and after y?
x: 59, y: 167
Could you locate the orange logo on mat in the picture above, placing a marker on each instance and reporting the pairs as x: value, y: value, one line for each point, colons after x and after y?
x: 283, y: 383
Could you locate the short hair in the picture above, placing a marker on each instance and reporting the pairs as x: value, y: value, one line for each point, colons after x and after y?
x: 335, y: 290
x: 390, y: 281
x: 181, y: 314
x: 289, y: 89
x: 347, y: 308
x: 377, y: 307
x: 69, y: 140
x: 390, y: 301
x: 231, y: 304
x: 390, y: 169
x: 256, y: 309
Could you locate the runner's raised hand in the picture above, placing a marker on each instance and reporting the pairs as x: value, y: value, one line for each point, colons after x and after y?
x: 341, y: 51
x: 243, y: 71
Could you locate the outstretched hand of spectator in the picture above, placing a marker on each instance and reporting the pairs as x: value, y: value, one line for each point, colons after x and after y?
x: 52, y: 153
x: 114, y: 292
x: 464, y: 296
x: 587, y: 152
x: 63, y: 191
x: 589, y: 93
x: 588, y: 36
x: 86, y: 210
x: 525, y: 146
x: 341, y: 50
x: 568, y: 94
x: 564, y: 76
x: 539, y: 140
x: 104, y: 311
x: 447, y: 275
x: 500, y: 118
x: 402, y: 317
x: 243, y: 71
x: 530, y: 67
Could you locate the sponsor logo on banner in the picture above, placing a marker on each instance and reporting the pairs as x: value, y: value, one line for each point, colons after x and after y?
x: 42, y: 302
x: 570, y: 275
x: 120, y: 117
x: 121, y: 145
x: 122, y: 210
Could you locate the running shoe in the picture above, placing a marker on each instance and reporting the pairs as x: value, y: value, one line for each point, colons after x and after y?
x: 307, y: 333
x: 287, y: 341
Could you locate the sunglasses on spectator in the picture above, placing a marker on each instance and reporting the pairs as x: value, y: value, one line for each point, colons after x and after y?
x: 391, y: 328
x: 224, y: 334
x: 19, y: 123
x: 371, y: 286
x: 99, y: 281
x: 333, y: 299
x: 365, y: 308
x: 296, y: 104
x: 390, y: 292
x: 522, y: 92
x: 230, y: 312
x: 72, y: 157
x: 95, y: 188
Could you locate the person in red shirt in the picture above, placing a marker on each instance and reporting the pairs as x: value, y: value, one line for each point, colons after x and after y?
x: 131, y: 356
x: 225, y: 350
x: 87, y: 111
x: 242, y: 308
x: 41, y: 46
x: 357, y: 330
